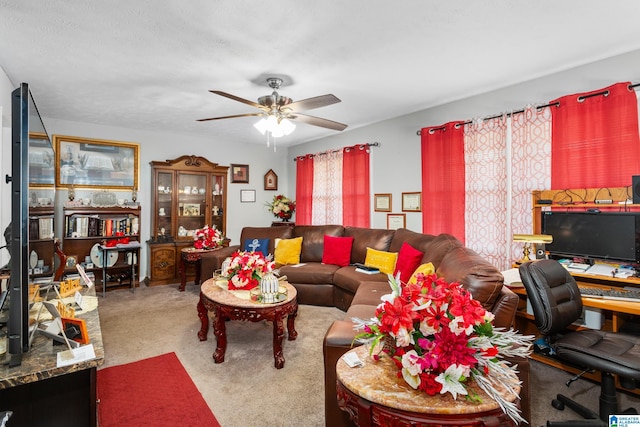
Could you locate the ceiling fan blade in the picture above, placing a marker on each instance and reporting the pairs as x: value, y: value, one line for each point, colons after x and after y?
x: 237, y: 98
x: 230, y: 117
x: 317, y: 121
x: 315, y: 102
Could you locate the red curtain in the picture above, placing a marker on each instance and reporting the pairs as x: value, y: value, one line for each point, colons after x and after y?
x: 600, y: 130
x: 443, y: 180
x: 304, y: 189
x: 356, y: 209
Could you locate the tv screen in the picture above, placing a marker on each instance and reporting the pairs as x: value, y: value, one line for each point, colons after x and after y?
x: 602, y: 235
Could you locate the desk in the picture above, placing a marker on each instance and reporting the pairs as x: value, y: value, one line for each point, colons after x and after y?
x: 41, y: 394
x: 227, y: 305
x: 132, y: 248
x: 373, y: 395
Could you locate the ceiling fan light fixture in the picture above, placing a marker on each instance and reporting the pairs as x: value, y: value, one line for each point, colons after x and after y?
x: 275, y: 129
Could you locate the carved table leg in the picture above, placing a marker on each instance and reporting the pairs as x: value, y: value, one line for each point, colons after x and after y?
x: 278, y: 335
x: 197, y: 279
x: 220, y: 331
x: 203, y: 314
x: 291, y: 327
x: 183, y: 274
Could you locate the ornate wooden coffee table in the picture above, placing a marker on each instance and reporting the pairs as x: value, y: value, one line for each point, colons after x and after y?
x: 373, y: 395
x: 236, y: 305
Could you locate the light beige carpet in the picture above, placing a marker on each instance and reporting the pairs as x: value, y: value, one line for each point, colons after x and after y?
x: 247, y: 390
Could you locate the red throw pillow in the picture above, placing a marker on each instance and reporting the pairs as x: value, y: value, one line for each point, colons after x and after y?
x: 337, y: 250
x: 409, y: 258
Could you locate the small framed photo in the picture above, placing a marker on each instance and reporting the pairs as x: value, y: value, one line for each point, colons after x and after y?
x: 72, y: 260
x: 270, y: 180
x: 247, y: 196
x: 79, y: 327
x: 382, y: 202
x: 191, y: 209
x: 239, y: 174
x: 412, y: 202
x: 396, y: 221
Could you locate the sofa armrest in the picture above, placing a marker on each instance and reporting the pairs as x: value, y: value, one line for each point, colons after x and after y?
x: 337, y: 341
x: 505, y: 308
x: 212, y: 261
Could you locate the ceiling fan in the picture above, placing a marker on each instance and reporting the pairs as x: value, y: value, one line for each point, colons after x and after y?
x: 282, y: 107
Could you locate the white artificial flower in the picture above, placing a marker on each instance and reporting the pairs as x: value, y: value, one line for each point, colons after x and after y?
x: 450, y: 380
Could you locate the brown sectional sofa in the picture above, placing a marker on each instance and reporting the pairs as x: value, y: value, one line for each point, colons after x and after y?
x: 358, y: 294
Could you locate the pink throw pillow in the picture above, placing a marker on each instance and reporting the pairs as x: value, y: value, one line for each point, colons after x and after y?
x: 409, y: 258
x: 337, y: 250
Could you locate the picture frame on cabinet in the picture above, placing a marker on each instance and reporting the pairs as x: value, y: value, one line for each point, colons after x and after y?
x: 396, y: 221
x: 382, y: 202
x: 412, y: 202
x: 270, y: 180
x: 239, y: 174
x: 95, y: 163
x: 191, y: 209
x: 247, y: 196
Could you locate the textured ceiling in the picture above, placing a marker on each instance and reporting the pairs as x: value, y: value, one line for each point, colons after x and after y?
x: 148, y: 64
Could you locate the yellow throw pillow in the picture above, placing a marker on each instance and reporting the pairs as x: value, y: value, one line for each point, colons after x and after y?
x: 383, y: 261
x: 425, y: 269
x: 288, y: 251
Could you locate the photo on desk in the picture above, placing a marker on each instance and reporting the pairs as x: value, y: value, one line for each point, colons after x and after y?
x: 76, y: 329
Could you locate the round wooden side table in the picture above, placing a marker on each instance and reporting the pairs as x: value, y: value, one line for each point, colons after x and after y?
x: 373, y: 395
x: 190, y: 256
x: 237, y: 305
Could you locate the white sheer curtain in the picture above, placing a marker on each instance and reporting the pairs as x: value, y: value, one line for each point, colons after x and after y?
x: 506, y: 158
x: 327, y: 188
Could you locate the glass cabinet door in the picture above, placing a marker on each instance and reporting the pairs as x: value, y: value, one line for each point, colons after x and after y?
x: 192, y: 197
x: 164, y: 197
x: 217, y: 202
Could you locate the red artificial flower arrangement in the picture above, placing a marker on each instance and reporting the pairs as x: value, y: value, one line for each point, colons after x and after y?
x: 245, y: 269
x: 440, y: 339
x: 208, y: 238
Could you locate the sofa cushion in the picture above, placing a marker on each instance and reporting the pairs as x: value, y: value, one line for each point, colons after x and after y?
x: 439, y: 247
x: 425, y: 269
x: 271, y: 233
x: 257, y: 245
x: 409, y: 259
x: 383, y: 261
x: 476, y: 274
x: 369, y: 293
x: 349, y: 279
x: 417, y: 240
x: 314, y: 272
x: 364, y: 238
x: 288, y: 251
x: 337, y: 250
x: 313, y: 239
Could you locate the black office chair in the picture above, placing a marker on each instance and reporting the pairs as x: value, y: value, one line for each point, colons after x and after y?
x: 556, y: 302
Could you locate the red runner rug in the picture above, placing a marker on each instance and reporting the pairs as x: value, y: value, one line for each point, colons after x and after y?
x: 151, y: 392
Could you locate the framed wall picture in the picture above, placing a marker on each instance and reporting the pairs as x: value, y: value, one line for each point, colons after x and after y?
x: 412, y: 202
x: 95, y: 163
x: 239, y: 174
x: 382, y: 202
x: 270, y: 180
x: 247, y: 196
x: 395, y: 221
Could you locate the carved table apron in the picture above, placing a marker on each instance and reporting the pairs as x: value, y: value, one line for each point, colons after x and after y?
x: 225, y: 305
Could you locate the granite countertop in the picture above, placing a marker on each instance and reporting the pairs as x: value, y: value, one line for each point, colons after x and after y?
x: 377, y: 382
x: 41, y: 361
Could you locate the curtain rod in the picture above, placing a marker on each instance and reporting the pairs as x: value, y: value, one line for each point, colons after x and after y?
x: 368, y: 144
x: 555, y: 104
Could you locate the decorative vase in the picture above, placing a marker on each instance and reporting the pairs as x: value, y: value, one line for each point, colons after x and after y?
x: 269, y: 287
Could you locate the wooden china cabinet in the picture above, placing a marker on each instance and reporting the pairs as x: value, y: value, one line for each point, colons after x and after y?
x: 187, y: 193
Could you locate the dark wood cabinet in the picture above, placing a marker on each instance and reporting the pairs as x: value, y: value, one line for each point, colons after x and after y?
x: 41, y: 242
x: 187, y: 193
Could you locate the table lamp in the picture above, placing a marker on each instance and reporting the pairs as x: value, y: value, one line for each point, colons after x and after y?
x: 530, y: 239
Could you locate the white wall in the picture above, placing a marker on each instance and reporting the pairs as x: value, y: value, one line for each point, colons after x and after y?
x: 6, y: 87
x: 162, y: 146
x: 396, y: 164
